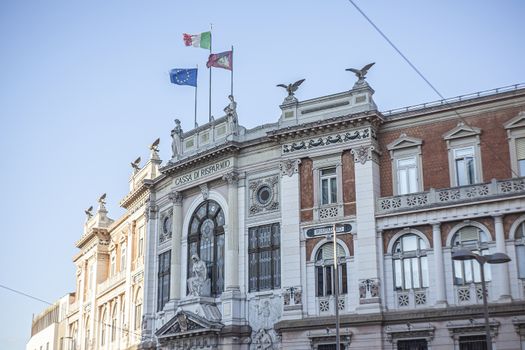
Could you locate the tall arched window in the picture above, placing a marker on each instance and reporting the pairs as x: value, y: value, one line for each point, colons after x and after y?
x: 519, y: 236
x: 410, y: 262
x: 103, y: 325
x: 206, y: 239
x: 114, y: 323
x: 87, y: 335
x: 138, y: 308
x: 475, y: 240
x: 324, y: 264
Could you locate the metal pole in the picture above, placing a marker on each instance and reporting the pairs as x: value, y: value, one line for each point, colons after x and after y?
x: 336, y: 292
x: 209, y: 102
x: 195, y: 109
x: 231, y: 77
x: 485, y: 305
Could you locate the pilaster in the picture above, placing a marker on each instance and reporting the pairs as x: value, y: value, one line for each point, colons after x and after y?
x: 501, y: 271
x: 175, y: 280
x: 367, y: 252
x: 441, y: 299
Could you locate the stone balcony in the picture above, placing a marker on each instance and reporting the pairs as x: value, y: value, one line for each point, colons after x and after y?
x: 450, y: 196
x: 111, y: 282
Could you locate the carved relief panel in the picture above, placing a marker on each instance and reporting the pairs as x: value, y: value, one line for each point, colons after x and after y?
x: 264, y: 195
x: 165, y: 226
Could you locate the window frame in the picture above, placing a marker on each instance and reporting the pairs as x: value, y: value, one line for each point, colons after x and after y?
x: 163, y: 275
x: 462, y: 137
x: 466, y: 272
x: 274, y: 248
x: 215, y: 267
x: 330, y: 179
x: 325, y: 268
x: 405, y: 147
x: 409, y: 255
x: 515, y: 131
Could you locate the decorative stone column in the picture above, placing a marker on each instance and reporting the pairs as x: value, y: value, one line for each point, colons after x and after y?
x: 367, y: 191
x: 231, y: 278
x: 176, y: 229
x: 501, y: 271
x: 150, y: 255
x: 290, y: 238
x: 441, y: 298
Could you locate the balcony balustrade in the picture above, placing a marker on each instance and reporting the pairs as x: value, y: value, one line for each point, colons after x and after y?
x: 450, y: 196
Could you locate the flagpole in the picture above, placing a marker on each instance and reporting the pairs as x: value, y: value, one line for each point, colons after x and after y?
x: 231, y: 77
x: 209, y: 102
x: 195, y: 108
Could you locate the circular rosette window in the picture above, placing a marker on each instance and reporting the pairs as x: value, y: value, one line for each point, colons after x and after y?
x: 207, y: 229
x: 264, y: 195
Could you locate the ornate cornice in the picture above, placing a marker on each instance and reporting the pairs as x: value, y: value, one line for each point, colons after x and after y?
x: 202, y: 157
x: 373, y: 118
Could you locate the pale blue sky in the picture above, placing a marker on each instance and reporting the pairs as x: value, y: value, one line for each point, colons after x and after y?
x: 84, y: 90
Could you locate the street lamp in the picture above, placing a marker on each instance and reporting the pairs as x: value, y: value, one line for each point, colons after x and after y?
x: 336, y: 288
x: 496, y: 258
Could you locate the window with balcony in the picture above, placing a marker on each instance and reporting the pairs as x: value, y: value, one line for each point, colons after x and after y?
x: 465, y: 166
x: 410, y: 262
x: 328, y: 181
x: 163, y: 286
x: 264, y: 256
x: 476, y: 240
x: 324, y: 270
x: 516, y: 136
x: 405, y: 153
x: 464, y: 154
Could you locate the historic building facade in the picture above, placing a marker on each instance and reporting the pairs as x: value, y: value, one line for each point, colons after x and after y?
x: 105, y: 311
x: 239, y: 252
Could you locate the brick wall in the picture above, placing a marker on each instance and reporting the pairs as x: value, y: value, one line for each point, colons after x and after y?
x: 495, y: 156
x: 347, y: 161
x: 307, y: 189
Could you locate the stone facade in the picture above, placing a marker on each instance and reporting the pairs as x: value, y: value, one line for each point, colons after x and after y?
x: 259, y: 206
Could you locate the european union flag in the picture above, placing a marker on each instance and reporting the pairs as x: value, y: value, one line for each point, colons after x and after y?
x: 181, y: 76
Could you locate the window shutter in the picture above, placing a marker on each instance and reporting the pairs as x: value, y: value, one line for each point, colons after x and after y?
x: 520, y: 148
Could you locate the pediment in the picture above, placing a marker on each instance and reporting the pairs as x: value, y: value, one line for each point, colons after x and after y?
x: 185, y: 323
x: 462, y: 130
x: 404, y: 141
x: 516, y: 122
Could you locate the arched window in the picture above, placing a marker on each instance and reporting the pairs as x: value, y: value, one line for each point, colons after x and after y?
x: 475, y: 240
x: 324, y: 264
x: 87, y: 335
x: 122, y: 318
x: 520, y: 249
x: 206, y: 239
x: 138, y: 308
x: 114, y: 324
x: 410, y: 262
x: 103, y: 325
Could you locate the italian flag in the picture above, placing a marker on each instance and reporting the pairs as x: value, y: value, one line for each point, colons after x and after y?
x: 199, y: 40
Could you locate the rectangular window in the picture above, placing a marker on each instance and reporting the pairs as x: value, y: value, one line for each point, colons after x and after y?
x: 113, y: 268
x: 163, y: 295
x: 464, y: 162
x: 123, y: 258
x: 473, y: 342
x: 520, y: 155
x: 138, y: 315
x: 412, y: 344
x: 520, y: 254
x: 141, y: 241
x: 328, y: 186
x: 407, y: 179
x: 264, y: 257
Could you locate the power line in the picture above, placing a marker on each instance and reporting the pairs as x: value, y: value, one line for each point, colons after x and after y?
x: 25, y: 294
x: 129, y: 331
x: 426, y: 80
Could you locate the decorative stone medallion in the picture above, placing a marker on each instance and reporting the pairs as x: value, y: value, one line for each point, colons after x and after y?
x: 264, y: 195
x: 165, y: 226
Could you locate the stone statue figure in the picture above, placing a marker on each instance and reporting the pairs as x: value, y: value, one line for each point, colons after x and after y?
x: 231, y: 112
x: 361, y: 73
x: 199, y: 284
x: 176, y: 144
x: 291, y: 88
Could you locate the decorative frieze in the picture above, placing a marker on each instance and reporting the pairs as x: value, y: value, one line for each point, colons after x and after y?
x: 289, y: 167
x: 264, y: 195
x: 325, y: 141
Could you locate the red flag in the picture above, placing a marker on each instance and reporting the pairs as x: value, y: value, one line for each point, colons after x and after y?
x: 221, y: 60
